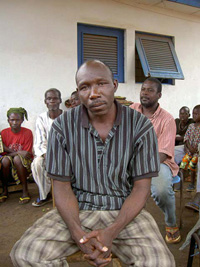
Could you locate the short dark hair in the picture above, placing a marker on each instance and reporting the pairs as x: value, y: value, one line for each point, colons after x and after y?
x: 53, y: 90
x: 74, y: 93
x: 157, y: 82
x: 97, y: 61
x: 185, y: 108
x: 197, y: 107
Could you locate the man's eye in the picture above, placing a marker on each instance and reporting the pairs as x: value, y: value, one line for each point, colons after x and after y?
x: 83, y: 88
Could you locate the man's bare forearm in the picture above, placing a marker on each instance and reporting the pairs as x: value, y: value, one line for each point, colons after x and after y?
x: 67, y: 206
x: 131, y: 207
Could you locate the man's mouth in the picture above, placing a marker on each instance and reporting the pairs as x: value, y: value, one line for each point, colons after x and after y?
x: 96, y: 104
x: 144, y: 98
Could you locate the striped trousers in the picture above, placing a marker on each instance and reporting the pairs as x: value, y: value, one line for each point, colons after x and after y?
x: 48, y: 241
x: 40, y: 176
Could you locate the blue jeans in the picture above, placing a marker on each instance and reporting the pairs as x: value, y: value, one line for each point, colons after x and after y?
x: 163, y: 194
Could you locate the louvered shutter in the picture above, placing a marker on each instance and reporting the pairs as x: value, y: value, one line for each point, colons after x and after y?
x: 105, y: 44
x: 158, y: 57
x: 101, y: 47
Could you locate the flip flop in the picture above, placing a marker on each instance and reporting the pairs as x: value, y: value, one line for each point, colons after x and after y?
x: 24, y: 200
x: 39, y: 203
x: 3, y: 198
x: 172, y: 235
x: 192, y: 206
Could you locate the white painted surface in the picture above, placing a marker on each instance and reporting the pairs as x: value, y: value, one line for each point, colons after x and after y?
x: 38, y: 49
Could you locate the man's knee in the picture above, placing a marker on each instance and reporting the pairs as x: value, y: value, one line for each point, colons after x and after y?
x: 38, y: 162
x: 162, y: 184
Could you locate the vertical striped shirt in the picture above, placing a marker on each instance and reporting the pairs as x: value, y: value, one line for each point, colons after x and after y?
x: 102, y: 174
x: 165, y: 128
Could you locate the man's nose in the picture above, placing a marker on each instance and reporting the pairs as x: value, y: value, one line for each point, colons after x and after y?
x: 94, y: 92
x: 145, y: 92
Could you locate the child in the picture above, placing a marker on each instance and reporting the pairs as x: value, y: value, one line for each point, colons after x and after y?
x: 18, y: 143
x: 192, y: 139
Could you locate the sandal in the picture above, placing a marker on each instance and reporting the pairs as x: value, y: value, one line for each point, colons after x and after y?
x: 192, y: 206
x: 3, y: 198
x: 172, y: 235
x: 24, y: 200
x: 39, y: 203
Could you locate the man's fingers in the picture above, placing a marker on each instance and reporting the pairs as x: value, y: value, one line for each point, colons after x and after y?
x: 96, y: 243
x: 102, y: 261
x: 88, y: 236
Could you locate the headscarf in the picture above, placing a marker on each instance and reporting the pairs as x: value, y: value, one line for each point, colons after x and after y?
x: 20, y: 111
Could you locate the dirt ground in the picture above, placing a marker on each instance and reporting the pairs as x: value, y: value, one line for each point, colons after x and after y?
x: 15, y: 219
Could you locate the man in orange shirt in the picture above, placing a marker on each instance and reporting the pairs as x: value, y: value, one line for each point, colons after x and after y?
x: 165, y: 128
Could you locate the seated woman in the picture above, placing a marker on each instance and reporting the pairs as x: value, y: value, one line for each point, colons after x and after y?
x: 191, y: 140
x: 17, y: 158
x: 182, y: 124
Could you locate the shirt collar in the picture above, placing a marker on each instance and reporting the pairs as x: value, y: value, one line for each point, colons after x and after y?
x: 85, y: 119
x: 154, y: 114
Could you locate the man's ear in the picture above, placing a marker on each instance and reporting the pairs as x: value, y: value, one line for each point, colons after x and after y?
x: 115, y: 82
x: 160, y: 94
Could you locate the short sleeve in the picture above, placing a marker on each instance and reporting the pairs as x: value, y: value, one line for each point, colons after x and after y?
x: 145, y: 162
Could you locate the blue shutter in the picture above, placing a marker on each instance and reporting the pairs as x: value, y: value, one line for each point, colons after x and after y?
x: 105, y: 44
x: 158, y: 57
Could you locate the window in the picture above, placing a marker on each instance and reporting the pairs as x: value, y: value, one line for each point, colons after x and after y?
x: 156, y: 57
x: 105, y: 44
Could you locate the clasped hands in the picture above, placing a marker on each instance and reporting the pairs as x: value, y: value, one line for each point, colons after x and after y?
x: 96, y: 246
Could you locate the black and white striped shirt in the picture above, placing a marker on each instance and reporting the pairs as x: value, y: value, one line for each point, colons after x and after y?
x: 102, y: 174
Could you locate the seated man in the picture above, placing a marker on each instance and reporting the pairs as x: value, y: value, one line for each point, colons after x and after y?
x: 16, y: 161
x: 43, y: 126
x: 165, y: 128
x: 97, y: 157
x: 181, y: 127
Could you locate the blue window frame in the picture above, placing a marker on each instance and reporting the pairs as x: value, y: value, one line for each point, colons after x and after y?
x: 158, y: 56
x: 102, y: 43
x: 194, y: 3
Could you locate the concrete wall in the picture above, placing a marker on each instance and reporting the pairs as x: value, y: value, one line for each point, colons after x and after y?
x: 38, y: 50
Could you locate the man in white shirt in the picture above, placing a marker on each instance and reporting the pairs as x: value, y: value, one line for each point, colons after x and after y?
x: 43, y: 126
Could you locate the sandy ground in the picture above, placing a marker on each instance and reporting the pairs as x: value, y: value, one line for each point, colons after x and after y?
x: 15, y: 219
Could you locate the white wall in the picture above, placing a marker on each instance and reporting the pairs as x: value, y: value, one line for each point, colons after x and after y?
x: 38, y: 50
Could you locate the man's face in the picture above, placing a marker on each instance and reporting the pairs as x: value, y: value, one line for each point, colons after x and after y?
x: 96, y: 88
x: 184, y: 115
x: 148, y: 94
x: 52, y: 100
x: 15, y: 120
x: 75, y: 101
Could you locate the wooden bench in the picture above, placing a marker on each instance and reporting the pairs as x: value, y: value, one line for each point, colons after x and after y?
x: 78, y: 257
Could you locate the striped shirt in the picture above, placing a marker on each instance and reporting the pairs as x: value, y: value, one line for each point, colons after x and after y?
x: 165, y: 129
x: 102, y: 174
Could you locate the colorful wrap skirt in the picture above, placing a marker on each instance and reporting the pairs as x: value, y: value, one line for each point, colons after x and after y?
x: 25, y: 162
x: 189, y: 162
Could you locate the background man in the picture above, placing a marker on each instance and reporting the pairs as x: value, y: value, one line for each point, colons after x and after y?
x: 107, y: 155
x: 43, y: 126
x: 16, y: 162
x: 165, y: 128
